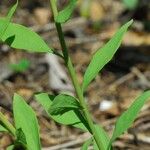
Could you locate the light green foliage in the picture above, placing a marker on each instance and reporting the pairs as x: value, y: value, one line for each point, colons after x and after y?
x: 104, y: 138
x: 26, y: 120
x: 87, y: 143
x: 104, y: 55
x: 12, y: 11
x: 127, y: 118
x: 21, y: 66
x: 63, y: 103
x: 5, y: 21
x: 131, y: 4
x: 66, y: 13
x: 70, y: 117
x: 20, y: 37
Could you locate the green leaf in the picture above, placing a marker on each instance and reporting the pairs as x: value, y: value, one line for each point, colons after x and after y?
x: 3, y: 129
x: 127, y: 118
x: 131, y: 4
x: 71, y: 117
x: 103, y: 136
x: 20, y: 37
x: 64, y: 103
x: 87, y: 143
x: 25, y: 119
x: 66, y: 13
x: 104, y: 55
x: 12, y: 11
x: 4, y: 22
x: 3, y: 26
x: 21, y: 66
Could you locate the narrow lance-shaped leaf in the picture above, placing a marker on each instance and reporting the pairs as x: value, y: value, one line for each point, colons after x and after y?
x: 20, y: 37
x: 104, y: 55
x: 62, y: 103
x: 70, y: 117
x: 26, y: 120
x: 5, y: 21
x: 66, y: 13
x: 127, y: 118
x: 87, y: 143
x: 103, y: 136
x: 12, y: 11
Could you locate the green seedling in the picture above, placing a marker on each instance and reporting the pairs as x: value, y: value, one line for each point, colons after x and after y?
x: 21, y: 66
x: 64, y: 109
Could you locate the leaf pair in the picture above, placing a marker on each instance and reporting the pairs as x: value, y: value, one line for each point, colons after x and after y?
x: 64, y: 109
x: 20, y: 37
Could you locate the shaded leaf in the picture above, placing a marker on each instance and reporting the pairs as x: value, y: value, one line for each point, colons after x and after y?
x: 103, y: 136
x: 127, y: 118
x: 62, y: 103
x: 21, y: 66
x: 104, y: 55
x: 87, y: 143
x: 71, y: 117
x: 66, y: 13
x: 26, y: 120
x: 3, y: 129
x: 21, y: 139
x: 20, y: 37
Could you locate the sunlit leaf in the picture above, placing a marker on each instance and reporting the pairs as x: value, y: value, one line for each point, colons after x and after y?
x: 20, y: 37
x: 26, y: 120
x: 104, y: 55
x: 4, y: 22
x: 71, y: 117
x: 66, y: 13
x: 12, y: 11
x: 127, y: 118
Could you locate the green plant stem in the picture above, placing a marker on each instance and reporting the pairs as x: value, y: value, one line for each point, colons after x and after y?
x: 7, y: 124
x: 74, y: 78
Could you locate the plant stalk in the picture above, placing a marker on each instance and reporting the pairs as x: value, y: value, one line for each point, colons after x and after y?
x: 7, y: 124
x: 74, y: 79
